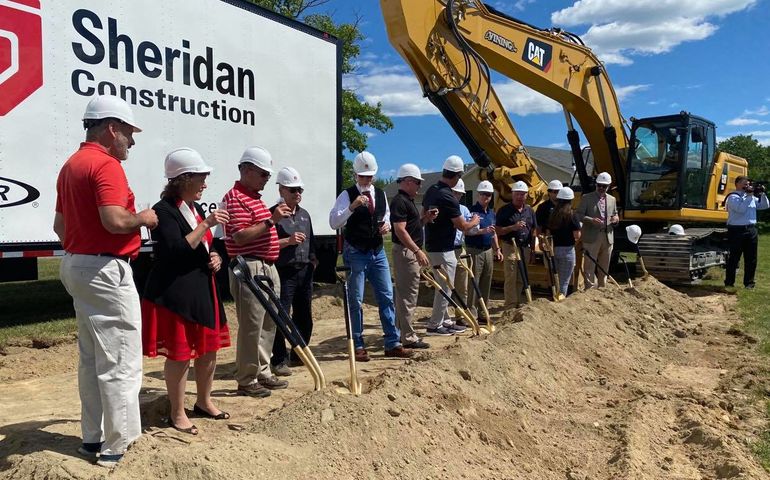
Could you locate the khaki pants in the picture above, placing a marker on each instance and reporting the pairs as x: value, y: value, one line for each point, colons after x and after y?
x: 601, y: 250
x: 256, y: 330
x: 406, y: 290
x: 440, y: 304
x: 461, y: 278
x: 513, y: 281
x: 482, y: 265
x: 110, y: 346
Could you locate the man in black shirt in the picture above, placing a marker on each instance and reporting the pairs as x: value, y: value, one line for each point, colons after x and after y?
x: 439, y: 238
x: 408, y: 256
x: 515, y: 223
x: 296, y: 263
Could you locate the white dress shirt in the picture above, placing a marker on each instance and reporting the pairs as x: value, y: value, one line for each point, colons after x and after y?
x: 341, y: 210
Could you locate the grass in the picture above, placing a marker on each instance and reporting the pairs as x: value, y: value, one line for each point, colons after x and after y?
x: 37, y: 312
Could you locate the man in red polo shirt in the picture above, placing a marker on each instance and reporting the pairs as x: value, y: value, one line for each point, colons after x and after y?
x: 251, y: 233
x: 98, y: 227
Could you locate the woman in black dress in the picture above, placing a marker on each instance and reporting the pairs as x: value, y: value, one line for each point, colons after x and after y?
x: 183, y: 318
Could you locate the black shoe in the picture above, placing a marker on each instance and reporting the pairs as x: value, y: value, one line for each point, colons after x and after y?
x: 419, y: 344
x: 295, y: 362
x: 750, y: 286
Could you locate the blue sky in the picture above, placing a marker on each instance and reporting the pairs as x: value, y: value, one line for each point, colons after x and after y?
x: 710, y: 57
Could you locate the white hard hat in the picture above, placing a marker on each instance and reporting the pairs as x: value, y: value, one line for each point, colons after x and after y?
x: 453, y: 163
x: 634, y: 233
x: 258, y: 156
x: 109, y: 106
x: 409, y: 170
x: 185, y: 160
x: 520, y: 187
x: 289, y: 177
x: 365, y: 164
x: 485, y: 186
x: 604, y: 178
x: 676, y: 229
x: 459, y: 187
x: 555, y: 185
x: 565, y: 193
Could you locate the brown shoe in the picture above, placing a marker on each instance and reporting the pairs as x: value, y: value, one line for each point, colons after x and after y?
x: 399, y: 352
x: 273, y: 383
x: 361, y: 355
x: 253, y: 390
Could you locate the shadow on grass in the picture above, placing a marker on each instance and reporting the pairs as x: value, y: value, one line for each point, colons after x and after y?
x: 25, y: 303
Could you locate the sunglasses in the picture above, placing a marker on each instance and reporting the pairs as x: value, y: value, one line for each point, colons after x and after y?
x: 599, y: 185
x: 254, y: 168
x: 295, y: 189
x: 553, y: 191
x: 416, y: 182
x: 485, y: 194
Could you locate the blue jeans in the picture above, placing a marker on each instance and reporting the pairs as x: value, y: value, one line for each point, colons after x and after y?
x: 564, y: 258
x: 372, y: 266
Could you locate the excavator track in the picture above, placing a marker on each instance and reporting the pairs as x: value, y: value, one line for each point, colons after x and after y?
x: 684, y: 259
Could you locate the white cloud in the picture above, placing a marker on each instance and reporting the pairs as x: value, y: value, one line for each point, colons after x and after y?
x: 401, y: 95
x: 761, y: 111
x: 558, y: 145
x: 762, y: 136
x: 620, y: 29
x: 626, y: 91
x: 740, y: 121
x: 644, y: 11
x: 520, y: 100
x: 521, y: 5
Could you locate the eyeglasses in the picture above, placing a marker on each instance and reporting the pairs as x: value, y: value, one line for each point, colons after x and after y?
x: 295, y: 189
x: 600, y: 185
x: 485, y: 194
x: 416, y: 182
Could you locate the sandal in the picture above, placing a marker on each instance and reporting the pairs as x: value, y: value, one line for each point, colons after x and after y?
x: 190, y: 430
x: 203, y: 413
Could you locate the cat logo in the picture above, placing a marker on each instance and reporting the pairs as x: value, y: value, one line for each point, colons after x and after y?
x: 538, y: 54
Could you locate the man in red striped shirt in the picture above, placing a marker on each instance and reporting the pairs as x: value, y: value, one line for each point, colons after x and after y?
x: 251, y: 233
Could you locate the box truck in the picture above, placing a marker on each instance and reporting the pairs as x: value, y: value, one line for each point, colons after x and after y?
x: 214, y: 75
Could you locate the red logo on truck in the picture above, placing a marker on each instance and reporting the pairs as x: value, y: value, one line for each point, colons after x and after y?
x: 21, y: 52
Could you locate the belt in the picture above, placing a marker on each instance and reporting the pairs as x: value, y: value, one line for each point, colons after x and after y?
x: 259, y: 259
x: 125, y: 258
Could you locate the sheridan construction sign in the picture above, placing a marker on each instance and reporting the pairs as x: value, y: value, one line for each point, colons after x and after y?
x: 213, y: 75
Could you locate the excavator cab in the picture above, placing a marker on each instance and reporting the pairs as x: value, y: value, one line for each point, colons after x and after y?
x: 670, y: 160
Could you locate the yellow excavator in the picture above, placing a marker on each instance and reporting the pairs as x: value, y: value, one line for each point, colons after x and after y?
x: 667, y: 168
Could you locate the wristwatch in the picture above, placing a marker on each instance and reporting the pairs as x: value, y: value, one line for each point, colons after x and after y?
x: 269, y: 222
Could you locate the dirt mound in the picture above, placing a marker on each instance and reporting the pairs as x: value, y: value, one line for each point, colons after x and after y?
x: 641, y: 383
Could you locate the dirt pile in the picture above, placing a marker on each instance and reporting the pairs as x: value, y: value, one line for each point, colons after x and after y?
x: 637, y: 384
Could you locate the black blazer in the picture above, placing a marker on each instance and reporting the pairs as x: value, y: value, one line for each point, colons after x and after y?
x: 180, y: 278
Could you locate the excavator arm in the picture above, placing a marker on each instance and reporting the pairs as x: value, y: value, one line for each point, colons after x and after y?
x: 451, y: 46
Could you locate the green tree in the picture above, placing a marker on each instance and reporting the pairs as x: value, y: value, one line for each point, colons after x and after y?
x: 748, y: 147
x: 356, y: 114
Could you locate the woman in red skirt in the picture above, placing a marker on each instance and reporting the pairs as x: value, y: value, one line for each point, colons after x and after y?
x: 182, y: 316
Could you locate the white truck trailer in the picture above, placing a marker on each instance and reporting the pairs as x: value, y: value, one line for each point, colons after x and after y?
x: 214, y: 75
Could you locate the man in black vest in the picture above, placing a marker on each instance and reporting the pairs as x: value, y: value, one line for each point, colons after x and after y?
x: 363, y: 214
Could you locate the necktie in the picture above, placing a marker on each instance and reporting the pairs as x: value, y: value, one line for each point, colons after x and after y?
x: 370, y: 204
